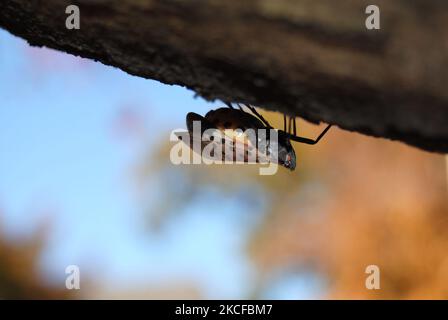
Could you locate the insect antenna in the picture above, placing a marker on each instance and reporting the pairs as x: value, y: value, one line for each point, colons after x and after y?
x: 294, y: 124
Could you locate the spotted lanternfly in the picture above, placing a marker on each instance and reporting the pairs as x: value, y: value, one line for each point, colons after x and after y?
x: 232, y: 126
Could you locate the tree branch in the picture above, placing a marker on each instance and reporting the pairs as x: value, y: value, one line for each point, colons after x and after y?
x: 309, y: 58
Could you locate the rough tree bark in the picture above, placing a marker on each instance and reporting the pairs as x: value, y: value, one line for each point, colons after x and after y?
x: 310, y: 58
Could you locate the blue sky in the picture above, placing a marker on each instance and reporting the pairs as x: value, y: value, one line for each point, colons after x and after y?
x: 61, y: 163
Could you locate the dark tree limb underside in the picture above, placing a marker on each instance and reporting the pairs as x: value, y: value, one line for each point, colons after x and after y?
x: 309, y: 58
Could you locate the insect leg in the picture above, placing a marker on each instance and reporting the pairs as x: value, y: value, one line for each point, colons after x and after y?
x: 294, y: 124
x: 307, y: 140
x: 229, y: 105
x: 284, y: 122
x: 254, y: 111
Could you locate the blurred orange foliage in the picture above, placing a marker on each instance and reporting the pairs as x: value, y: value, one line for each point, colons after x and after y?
x: 384, y: 204
x: 353, y: 201
x: 19, y: 274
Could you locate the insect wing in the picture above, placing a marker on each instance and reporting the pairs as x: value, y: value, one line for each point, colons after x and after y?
x: 225, y: 144
x: 244, y: 147
x: 204, y: 145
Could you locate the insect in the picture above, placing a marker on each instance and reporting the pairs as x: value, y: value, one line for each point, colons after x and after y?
x: 249, y: 149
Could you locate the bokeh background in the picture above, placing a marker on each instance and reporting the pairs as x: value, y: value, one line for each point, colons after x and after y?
x: 85, y: 179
